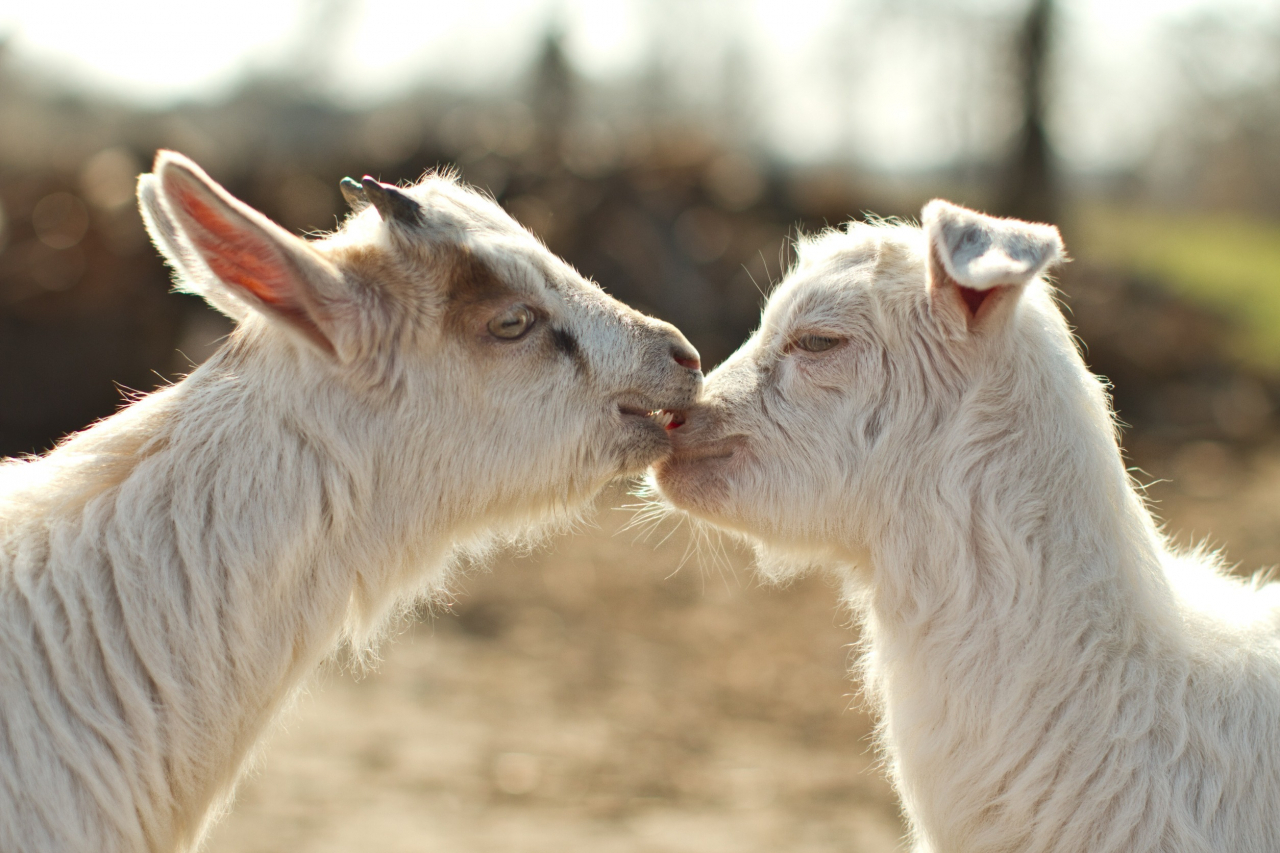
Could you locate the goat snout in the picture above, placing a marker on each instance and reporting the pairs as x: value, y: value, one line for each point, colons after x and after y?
x: 672, y: 343
x: 678, y: 364
x: 685, y: 355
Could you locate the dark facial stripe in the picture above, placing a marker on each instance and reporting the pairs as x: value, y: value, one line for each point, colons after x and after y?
x: 567, y: 345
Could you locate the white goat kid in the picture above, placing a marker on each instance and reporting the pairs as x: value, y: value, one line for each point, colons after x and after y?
x: 1050, y: 676
x: 425, y: 378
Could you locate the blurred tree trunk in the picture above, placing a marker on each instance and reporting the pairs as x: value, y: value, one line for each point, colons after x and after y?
x: 553, y: 99
x: 1029, y: 191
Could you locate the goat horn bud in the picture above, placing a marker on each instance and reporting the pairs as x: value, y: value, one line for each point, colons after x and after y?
x: 392, y: 204
x: 354, y: 194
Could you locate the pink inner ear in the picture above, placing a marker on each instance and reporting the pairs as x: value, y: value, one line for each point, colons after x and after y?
x: 245, y: 260
x: 233, y: 255
x: 974, y: 298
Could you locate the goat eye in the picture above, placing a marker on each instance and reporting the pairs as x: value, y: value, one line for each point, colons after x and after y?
x: 816, y: 343
x: 512, y: 323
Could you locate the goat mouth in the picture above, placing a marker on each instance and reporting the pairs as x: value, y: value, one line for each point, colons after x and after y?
x: 668, y: 419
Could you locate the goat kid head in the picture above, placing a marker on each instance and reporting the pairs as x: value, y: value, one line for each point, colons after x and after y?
x: 884, y: 358
x: 435, y: 334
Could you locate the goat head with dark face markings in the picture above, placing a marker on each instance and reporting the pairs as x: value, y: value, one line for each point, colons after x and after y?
x: 486, y: 360
x: 422, y: 380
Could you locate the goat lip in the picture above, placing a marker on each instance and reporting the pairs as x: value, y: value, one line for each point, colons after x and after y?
x: 709, y: 451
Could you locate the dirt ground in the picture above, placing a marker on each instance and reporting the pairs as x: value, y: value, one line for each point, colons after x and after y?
x: 592, y: 697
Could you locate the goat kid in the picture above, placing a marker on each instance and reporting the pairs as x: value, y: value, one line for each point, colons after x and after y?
x: 1050, y: 675
x: 425, y: 379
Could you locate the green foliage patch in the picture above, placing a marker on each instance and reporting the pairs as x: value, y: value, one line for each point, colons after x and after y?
x: 1227, y: 263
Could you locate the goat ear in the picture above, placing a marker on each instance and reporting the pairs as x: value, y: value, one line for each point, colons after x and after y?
x: 979, y: 265
x: 236, y: 258
x: 192, y: 275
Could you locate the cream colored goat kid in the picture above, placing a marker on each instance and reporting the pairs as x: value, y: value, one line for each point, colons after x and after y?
x: 1051, y: 677
x: 422, y: 380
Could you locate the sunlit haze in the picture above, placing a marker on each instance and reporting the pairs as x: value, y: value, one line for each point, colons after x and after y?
x: 790, y: 60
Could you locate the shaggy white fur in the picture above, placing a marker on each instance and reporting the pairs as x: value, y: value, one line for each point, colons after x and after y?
x: 1050, y: 677
x: 424, y: 379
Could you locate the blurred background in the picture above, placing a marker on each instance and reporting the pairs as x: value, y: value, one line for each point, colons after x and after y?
x: 624, y: 691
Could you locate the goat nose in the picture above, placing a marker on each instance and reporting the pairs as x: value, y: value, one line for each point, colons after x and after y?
x: 686, y: 356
